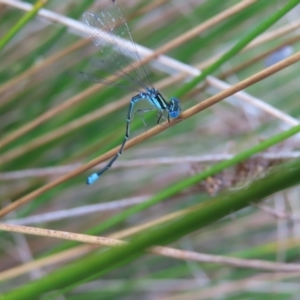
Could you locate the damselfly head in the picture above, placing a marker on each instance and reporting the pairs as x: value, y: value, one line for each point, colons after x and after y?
x: 175, y: 108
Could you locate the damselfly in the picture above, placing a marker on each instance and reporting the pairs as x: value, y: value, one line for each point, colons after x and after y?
x: 110, y: 32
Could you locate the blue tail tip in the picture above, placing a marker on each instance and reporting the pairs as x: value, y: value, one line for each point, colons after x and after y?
x: 91, y: 179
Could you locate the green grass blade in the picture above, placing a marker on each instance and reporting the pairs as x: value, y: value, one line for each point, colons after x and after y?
x: 238, y: 47
x: 21, y: 23
x: 213, y: 210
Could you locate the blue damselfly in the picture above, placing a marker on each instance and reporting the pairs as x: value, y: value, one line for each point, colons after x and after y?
x: 110, y: 32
